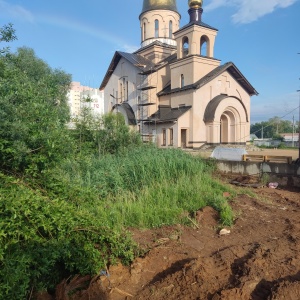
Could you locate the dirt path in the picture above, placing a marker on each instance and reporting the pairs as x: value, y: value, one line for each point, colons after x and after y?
x: 259, y: 259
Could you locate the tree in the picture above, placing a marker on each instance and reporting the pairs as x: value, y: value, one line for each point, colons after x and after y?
x: 103, y: 134
x: 272, y: 128
x: 33, y: 113
x: 7, y: 34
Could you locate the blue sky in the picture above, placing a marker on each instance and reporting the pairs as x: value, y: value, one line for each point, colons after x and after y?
x: 262, y: 37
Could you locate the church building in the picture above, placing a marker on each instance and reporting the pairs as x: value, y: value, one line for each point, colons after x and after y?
x: 173, y: 90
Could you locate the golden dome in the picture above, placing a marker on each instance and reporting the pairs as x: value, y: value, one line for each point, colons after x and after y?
x: 195, y: 3
x: 159, y: 4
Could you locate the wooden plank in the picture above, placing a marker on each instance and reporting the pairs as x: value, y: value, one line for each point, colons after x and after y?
x: 268, y: 158
x: 252, y: 157
x: 274, y: 158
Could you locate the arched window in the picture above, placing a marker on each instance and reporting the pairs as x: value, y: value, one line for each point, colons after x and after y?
x: 144, y: 31
x: 185, y: 46
x: 170, y: 30
x: 181, y: 80
x: 204, y: 46
x: 156, y: 28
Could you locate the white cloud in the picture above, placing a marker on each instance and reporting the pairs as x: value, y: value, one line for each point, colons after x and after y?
x: 250, y: 10
x: 15, y: 11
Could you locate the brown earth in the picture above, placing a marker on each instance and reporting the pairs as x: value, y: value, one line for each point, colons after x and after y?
x: 258, y: 259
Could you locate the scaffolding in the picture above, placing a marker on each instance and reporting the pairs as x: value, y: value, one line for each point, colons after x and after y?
x: 144, y: 102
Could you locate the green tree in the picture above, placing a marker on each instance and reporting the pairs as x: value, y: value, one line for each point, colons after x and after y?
x: 103, y: 134
x: 272, y: 128
x: 7, y: 34
x: 263, y: 130
x: 34, y: 113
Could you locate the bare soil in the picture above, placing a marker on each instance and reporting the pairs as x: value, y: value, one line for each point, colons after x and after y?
x: 258, y: 259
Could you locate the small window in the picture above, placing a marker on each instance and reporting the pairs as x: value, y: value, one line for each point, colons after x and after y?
x: 185, y: 47
x: 121, y: 92
x: 171, y: 136
x: 156, y: 28
x: 170, y: 30
x: 144, y: 31
x: 164, y: 135
x: 181, y: 80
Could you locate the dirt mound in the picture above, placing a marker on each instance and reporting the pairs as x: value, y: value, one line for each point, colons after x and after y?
x: 286, y: 290
x: 258, y: 260
x: 207, y: 217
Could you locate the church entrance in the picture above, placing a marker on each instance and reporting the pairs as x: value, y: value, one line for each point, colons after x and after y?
x: 226, y: 121
x: 228, y: 126
x: 183, y: 138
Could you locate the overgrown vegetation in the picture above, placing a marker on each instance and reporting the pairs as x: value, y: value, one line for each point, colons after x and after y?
x: 141, y: 187
x: 67, y: 196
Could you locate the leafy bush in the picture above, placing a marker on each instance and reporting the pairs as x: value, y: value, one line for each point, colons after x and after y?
x: 105, y: 134
x: 43, y: 241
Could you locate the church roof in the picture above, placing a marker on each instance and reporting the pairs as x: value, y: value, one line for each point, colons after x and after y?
x: 229, y: 67
x: 158, y: 5
x: 200, y: 23
x: 155, y: 43
x: 137, y: 60
x: 167, y: 114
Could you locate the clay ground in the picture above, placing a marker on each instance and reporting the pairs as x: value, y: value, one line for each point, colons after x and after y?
x: 259, y: 259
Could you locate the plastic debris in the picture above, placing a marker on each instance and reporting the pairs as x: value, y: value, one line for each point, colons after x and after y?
x: 273, y: 185
x: 224, y: 232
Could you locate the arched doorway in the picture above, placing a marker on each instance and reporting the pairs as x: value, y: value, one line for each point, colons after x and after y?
x: 228, y: 125
x: 226, y: 120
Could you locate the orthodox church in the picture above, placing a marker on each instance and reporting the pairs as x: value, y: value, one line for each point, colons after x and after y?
x: 173, y: 90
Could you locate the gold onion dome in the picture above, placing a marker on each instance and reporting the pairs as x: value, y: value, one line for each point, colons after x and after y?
x: 195, y: 3
x: 159, y: 4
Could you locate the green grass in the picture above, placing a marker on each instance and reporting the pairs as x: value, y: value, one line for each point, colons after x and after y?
x: 145, y: 187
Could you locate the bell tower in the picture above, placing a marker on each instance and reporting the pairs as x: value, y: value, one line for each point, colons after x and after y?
x: 195, y: 48
x: 196, y: 38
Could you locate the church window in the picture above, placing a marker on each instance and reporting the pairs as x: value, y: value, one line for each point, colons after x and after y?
x: 181, y: 80
x: 124, y: 89
x: 121, y: 92
x: 156, y: 28
x: 170, y: 29
x: 144, y: 31
x: 204, y: 46
x: 164, y: 134
x: 139, y: 107
x: 171, y: 136
x: 185, y: 47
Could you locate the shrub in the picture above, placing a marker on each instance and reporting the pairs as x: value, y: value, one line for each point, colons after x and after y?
x: 43, y: 241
